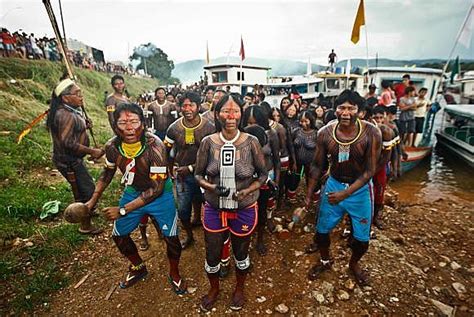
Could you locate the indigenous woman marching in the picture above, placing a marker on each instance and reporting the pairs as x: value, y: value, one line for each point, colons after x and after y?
x: 277, y: 122
x: 304, y: 142
x: 226, y: 165
x: 255, y: 115
x: 291, y: 116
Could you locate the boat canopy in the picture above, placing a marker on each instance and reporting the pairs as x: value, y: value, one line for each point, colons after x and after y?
x: 338, y: 76
x: 466, y: 111
x: 295, y: 81
x: 412, y: 70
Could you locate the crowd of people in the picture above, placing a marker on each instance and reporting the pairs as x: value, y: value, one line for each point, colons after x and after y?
x: 27, y: 46
x: 228, y: 162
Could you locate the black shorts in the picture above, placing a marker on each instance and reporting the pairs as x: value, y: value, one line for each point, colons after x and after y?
x: 406, y: 126
x: 419, y: 122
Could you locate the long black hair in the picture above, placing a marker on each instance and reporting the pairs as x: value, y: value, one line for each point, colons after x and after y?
x: 258, y: 114
x: 257, y: 132
x: 56, y: 101
x: 310, y: 116
x: 228, y: 97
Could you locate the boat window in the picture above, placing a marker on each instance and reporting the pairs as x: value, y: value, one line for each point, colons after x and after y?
x: 332, y: 83
x: 240, y: 76
x: 219, y: 77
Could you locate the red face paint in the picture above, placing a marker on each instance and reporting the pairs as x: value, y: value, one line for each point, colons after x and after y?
x: 129, y: 127
x: 229, y: 115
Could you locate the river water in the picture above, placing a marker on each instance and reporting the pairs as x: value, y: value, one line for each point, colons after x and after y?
x: 441, y: 175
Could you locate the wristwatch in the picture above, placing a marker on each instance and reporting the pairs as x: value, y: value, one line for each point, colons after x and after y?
x: 122, y: 211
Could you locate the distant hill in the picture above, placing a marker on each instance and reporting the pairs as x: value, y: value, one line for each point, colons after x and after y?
x: 190, y: 71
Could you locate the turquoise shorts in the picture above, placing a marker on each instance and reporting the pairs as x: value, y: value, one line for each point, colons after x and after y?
x: 162, y: 209
x: 358, y: 206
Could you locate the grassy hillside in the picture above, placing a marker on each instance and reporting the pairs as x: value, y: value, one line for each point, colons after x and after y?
x: 31, y: 251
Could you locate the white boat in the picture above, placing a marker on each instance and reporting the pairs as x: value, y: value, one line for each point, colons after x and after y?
x: 467, y: 87
x: 430, y: 78
x: 240, y: 78
x: 308, y: 87
x: 334, y: 84
x: 457, y: 131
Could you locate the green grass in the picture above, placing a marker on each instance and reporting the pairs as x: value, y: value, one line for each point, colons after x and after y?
x: 32, y: 273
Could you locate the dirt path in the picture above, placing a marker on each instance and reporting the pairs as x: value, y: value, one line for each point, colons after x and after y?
x: 422, y: 264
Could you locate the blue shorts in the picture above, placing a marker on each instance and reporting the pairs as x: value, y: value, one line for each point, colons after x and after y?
x: 162, y: 209
x: 186, y: 191
x: 358, y: 206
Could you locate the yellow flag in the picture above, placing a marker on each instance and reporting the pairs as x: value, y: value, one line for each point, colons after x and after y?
x: 359, y: 21
x: 207, y: 54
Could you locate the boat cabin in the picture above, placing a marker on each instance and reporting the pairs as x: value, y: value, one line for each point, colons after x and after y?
x: 236, y: 76
x: 429, y: 78
x: 467, y: 88
x: 457, y: 131
x: 334, y: 84
x: 308, y: 87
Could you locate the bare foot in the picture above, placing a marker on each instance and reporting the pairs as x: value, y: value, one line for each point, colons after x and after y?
x: 316, y: 271
x: 238, y: 300
x: 361, y: 276
x: 260, y: 247
x: 207, y: 301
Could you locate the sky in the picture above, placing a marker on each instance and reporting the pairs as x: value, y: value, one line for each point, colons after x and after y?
x: 297, y: 30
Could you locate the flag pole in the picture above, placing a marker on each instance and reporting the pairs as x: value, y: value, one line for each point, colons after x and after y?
x: 241, y: 62
x: 367, y: 52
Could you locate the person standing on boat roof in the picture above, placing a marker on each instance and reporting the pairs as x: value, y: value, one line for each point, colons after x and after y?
x: 352, y: 148
x: 332, y: 59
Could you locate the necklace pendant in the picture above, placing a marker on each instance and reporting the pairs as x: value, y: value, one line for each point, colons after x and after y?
x: 344, y: 152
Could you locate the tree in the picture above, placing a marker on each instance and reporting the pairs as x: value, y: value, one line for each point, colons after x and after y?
x: 152, y: 60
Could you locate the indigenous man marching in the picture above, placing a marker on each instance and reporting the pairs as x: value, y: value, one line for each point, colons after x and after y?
x: 163, y: 112
x: 209, y: 114
x: 352, y: 148
x: 68, y: 126
x: 148, y: 190
x: 389, y: 141
x: 116, y: 98
x: 113, y: 100
x: 183, y: 139
x: 208, y: 97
